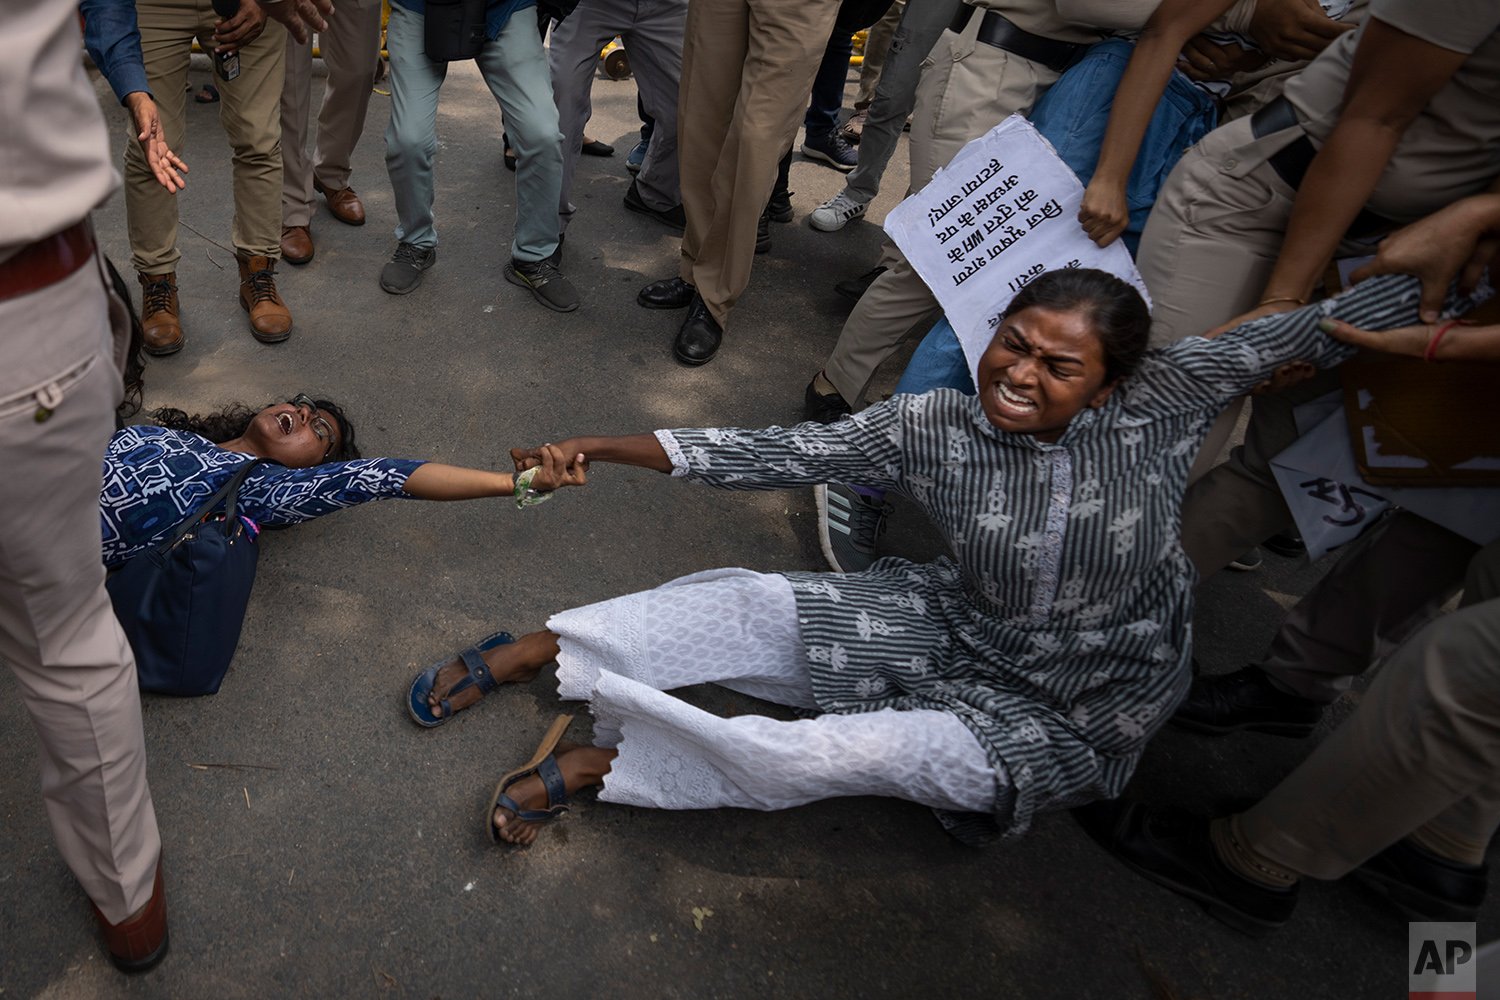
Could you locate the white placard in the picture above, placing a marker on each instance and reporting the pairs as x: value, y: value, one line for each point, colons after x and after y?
x: 1002, y: 213
x: 1332, y: 504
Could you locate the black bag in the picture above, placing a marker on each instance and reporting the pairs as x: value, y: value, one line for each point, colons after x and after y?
x: 454, y: 29
x: 182, y: 603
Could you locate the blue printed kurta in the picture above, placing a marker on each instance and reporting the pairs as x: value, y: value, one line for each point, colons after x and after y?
x: 1061, y: 633
x: 155, y: 477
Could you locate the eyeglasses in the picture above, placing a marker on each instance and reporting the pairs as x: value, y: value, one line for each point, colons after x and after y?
x: 321, y: 427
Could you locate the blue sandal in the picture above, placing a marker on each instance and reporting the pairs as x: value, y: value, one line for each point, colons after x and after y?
x: 543, y: 764
x: 479, y: 676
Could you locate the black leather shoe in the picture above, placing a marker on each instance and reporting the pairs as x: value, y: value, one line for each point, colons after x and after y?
x: 1245, y: 699
x: 763, y: 232
x: 823, y: 409
x: 673, y: 218
x: 1286, y: 543
x: 699, y: 337
x: 854, y: 289
x: 1425, y: 886
x: 1173, y: 849
x: 669, y: 293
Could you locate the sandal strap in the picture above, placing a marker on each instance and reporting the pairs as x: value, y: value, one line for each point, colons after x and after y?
x: 552, y: 780
x: 479, y: 672
x: 529, y: 815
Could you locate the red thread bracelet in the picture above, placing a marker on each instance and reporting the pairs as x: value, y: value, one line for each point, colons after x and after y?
x: 1437, y: 338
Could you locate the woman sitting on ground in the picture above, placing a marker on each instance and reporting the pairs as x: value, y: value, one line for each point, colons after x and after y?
x: 155, y: 476
x: 1025, y: 675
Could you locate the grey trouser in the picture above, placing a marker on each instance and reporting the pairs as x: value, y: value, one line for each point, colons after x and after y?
x: 652, y: 31
x: 1422, y: 750
x: 351, y: 50
x: 922, y: 23
x: 966, y: 89
x: 58, y: 633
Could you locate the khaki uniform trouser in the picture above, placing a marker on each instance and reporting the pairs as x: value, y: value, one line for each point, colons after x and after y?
x: 351, y: 51
x: 250, y: 113
x: 877, y: 46
x: 1422, y: 750
x: 58, y: 633
x: 966, y: 89
x: 747, y: 68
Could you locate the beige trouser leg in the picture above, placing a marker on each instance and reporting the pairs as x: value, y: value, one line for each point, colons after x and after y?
x: 747, y: 67
x: 877, y: 46
x: 351, y: 50
x: 251, y: 115
x: 58, y: 633
x: 966, y: 89
x: 1422, y: 749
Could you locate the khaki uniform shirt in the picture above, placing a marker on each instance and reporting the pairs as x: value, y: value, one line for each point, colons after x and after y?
x: 55, y: 162
x: 1452, y: 149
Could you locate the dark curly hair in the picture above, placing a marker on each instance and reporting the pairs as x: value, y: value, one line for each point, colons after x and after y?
x: 231, y: 421
x: 1115, y: 309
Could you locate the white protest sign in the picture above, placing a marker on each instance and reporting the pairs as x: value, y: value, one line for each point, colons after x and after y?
x: 1004, y: 211
x: 1332, y: 504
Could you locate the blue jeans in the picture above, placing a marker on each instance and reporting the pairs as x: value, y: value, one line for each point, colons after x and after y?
x: 514, y: 66
x: 938, y: 363
x: 828, y: 85
x: 1074, y: 113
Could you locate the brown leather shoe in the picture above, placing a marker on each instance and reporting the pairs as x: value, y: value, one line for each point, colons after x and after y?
x: 296, y: 244
x: 159, y: 323
x: 343, y: 204
x: 138, y: 942
x: 270, y: 319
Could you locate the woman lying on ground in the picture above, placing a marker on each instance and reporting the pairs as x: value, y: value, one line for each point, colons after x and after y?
x: 1024, y: 676
x: 155, y: 476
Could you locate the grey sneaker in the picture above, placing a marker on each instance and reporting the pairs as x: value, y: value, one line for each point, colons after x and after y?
x: 848, y: 525
x: 404, y: 271
x: 547, y: 284
x: 836, y: 213
x: 1247, y: 562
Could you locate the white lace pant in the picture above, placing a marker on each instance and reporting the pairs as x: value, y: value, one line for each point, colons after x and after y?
x: 739, y: 628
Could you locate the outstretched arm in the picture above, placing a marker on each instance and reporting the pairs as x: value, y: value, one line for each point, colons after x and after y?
x: 865, y: 448
x: 642, y: 450
x: 436, y: 481
x: 1105, y: 213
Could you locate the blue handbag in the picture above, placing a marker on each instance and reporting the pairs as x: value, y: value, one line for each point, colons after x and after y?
x: 182, y: 603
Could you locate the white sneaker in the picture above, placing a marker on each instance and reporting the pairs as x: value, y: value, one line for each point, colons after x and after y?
x: 836, y: 213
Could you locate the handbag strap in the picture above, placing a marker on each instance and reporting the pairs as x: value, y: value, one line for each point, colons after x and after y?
x: 227, y: 493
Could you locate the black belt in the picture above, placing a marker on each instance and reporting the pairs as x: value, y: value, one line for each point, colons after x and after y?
x: 996, y: 30
x: 1291, y: 163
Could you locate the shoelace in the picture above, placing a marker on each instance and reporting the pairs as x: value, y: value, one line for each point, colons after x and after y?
x: 408, y: 253
x: 866, y: 522
x: 156, y: 295
x: 541, y: 272
x: 262, y: 286
x: 843, y: 204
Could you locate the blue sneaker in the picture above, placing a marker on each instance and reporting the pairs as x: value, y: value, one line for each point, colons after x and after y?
x: 637, y: 156
x: 830, y: 148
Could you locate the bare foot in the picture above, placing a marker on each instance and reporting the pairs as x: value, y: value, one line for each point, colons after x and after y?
x: 581, y: 767
x: 513, y: 663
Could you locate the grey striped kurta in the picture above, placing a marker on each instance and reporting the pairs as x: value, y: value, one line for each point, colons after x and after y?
x: 1061, y: 633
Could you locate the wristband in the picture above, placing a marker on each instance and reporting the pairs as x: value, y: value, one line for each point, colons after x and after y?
x: 525, y: 495
x: 1437, y: 338
x: 1281, y: 298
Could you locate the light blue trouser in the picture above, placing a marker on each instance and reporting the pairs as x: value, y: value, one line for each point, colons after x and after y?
x: 514, y: 66
x: 937, y: 363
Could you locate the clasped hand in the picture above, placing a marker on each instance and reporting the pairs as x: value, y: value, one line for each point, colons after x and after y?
x: 555, y: 469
